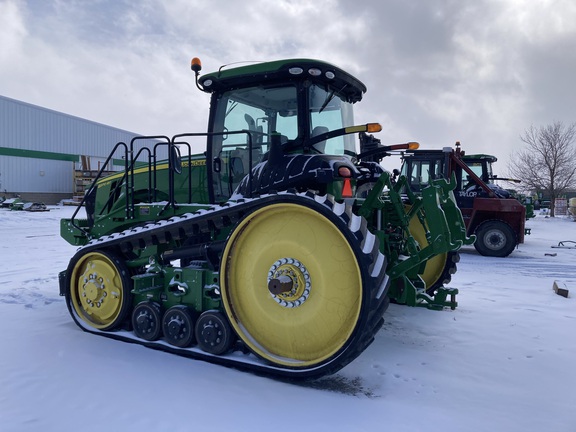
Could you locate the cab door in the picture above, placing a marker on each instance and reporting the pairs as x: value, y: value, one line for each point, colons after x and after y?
x: 242, y: 123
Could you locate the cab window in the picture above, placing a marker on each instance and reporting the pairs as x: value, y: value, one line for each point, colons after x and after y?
x: 249, y: 115
x: 329, y: 112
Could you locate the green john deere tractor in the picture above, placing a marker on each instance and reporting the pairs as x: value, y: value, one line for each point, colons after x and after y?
x: 278, y: 249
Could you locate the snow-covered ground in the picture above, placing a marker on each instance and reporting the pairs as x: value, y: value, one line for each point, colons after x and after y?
x: 504, y: 360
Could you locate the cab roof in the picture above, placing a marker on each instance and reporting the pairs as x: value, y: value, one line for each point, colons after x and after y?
x: 487, y: 157
x: 284, y: 71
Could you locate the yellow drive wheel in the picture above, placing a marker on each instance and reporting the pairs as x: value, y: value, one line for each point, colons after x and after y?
x: 434, y: 270
x: 440, y: 267
x: 291, y: 284
x: 99, y: 290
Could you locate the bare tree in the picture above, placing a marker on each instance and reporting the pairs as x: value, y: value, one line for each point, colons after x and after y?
x: 548, y: 163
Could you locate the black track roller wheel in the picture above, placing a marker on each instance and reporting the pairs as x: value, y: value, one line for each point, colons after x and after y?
x: 178, y: 326
x: 147, y: 321
x: 495, y: 238
x: 98, y: 286
x: 302, y: 281
x: 213, y: 333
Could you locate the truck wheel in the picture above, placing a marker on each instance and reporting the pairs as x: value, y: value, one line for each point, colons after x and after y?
x: 495, y: 238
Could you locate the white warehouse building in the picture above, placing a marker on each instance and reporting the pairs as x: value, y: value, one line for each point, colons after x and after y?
x: 49, y: 156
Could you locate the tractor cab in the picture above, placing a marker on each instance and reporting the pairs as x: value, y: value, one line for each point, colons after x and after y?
x: 477, y: 180
x: 301, y: 110
x: 481, y: 165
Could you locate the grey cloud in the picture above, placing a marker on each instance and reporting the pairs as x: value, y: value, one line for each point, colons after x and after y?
x: 437, y: 71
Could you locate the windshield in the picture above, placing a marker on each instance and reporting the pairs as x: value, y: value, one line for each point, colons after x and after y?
x: 482, y: 169
x: 329, y: 112
x: 476, y: 168
x: 421, y: 173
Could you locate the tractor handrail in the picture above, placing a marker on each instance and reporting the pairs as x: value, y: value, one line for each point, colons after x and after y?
x: 151, y: 163
x: 93, y: 185
x: 247, y: 132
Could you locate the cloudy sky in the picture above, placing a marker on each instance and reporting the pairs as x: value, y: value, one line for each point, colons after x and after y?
x: 437, y: 71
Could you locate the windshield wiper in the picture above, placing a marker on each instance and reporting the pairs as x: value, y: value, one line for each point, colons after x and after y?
x: 327, y: 101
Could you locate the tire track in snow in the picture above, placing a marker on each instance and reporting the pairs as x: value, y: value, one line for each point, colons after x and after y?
x: 29, y: 294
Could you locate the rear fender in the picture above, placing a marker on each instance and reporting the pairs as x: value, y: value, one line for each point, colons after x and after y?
x: 74, y: 232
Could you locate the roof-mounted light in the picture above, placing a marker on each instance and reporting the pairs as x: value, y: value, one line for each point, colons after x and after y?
x: 330, y: 75
x: 196, y: 64
x: 207, y: 83
x: 295, y: 70
x: 315, y: 72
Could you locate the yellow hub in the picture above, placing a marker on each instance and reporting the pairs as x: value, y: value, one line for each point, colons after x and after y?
x: 312, y: 321
x: 299, y: 277
x: 96, y: 290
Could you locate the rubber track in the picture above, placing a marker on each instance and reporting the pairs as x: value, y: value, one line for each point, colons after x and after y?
x: 181, y: 228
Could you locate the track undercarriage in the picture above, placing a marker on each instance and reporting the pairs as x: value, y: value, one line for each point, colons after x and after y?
x: 306, y: 232
x: 289, y: 284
